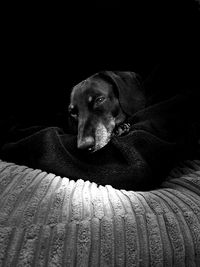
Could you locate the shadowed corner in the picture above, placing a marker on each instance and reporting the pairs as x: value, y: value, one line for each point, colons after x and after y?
x: 111, y: 5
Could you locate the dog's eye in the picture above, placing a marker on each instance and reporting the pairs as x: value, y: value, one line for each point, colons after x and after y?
x: 99, y: 100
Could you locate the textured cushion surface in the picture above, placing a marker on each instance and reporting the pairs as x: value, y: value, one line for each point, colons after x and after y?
x: 46, y: 220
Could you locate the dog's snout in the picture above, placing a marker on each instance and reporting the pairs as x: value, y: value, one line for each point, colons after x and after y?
x: 86, y: 143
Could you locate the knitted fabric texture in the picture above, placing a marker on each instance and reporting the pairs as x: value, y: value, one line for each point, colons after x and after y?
x: 46, y: 220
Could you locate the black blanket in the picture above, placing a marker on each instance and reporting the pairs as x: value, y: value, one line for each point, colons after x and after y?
x: 160, y: 135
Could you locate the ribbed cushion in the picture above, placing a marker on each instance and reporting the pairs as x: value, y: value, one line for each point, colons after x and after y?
x: 46, y: 220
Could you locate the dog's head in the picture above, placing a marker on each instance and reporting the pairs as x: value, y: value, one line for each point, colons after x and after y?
x: 102, y: 102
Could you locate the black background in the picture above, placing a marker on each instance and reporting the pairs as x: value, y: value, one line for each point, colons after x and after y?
x: 48, y: 48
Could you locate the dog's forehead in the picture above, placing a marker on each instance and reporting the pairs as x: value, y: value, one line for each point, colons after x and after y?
x: 89, y: 88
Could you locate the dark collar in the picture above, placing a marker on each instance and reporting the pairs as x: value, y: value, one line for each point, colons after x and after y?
x: 122, y: 129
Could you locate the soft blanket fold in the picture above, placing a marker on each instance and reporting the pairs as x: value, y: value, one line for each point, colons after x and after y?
x: 160, y: 135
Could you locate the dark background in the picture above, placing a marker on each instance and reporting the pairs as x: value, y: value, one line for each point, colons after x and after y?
x: 48, y: 48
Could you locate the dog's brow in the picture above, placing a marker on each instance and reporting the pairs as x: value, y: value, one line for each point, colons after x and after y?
x: 90, y: 99
x: 71, y: 106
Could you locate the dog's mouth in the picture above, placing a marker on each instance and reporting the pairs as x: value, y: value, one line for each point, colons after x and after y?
x: 104, y: 135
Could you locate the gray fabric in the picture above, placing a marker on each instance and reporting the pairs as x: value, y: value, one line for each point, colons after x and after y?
x: 46, y: 220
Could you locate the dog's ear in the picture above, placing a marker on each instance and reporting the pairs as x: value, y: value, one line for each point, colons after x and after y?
x: 129, y: 88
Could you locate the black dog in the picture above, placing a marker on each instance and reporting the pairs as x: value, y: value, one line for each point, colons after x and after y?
x: 101, y: 104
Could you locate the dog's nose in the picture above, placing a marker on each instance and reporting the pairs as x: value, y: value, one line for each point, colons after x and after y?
x: 86, y: 143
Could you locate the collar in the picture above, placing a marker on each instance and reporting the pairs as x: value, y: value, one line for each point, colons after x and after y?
x: 122, y: 129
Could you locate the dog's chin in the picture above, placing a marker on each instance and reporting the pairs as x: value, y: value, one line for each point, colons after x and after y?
x: 102, y: 137
x: 98, y: 147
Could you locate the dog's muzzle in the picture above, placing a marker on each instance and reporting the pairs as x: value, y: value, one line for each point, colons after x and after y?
x: 86, y: 143
x: 102, y: 137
